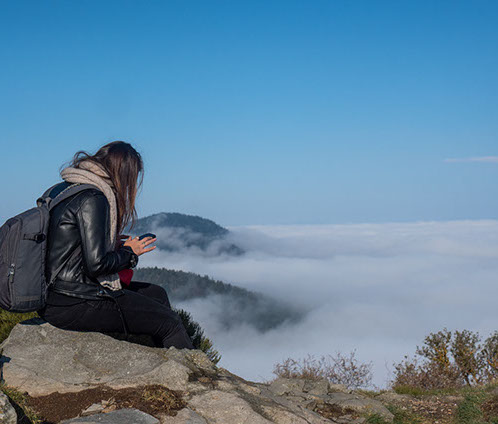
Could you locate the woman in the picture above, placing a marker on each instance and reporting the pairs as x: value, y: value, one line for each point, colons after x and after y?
x: 88, y: 293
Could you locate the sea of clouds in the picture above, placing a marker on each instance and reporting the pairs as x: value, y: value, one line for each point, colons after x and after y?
x: 378, y: 289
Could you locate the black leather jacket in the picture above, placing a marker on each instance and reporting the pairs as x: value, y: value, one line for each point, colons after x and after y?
x: 83, y: 220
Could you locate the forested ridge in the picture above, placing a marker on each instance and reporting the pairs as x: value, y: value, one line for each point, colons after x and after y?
x: 177, y: 231
x: 179, y: 220
x: 233, y: 305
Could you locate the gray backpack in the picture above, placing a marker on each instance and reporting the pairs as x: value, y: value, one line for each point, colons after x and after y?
x: 23, y: 248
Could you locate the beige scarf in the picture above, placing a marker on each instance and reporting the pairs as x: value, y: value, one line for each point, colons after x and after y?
x: 91, y: 173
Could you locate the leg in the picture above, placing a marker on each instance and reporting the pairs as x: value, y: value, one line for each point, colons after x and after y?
x: 142, y: 314
x: 154, y: 291
x: 145, y: 315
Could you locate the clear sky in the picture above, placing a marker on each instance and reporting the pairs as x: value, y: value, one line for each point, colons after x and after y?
x: 260, y: 112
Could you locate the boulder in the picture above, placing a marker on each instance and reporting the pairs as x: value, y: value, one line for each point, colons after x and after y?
x: 116, y: 417
x: 359, y: 404
x: 184, y: 416
x: 7, y: 412
x: 43, y: 360
x: 40, y: 359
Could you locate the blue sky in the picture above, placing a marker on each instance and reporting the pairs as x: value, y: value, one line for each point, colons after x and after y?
x: 260, y: 112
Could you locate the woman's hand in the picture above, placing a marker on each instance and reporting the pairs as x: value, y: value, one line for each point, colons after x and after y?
x: 140, y: 246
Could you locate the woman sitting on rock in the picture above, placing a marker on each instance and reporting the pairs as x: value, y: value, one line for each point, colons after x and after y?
x: 93, y: 291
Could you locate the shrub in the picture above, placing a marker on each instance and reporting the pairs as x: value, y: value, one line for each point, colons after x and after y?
x: 489, y: 355
x: 430, y: 375
x: 449, y: 360
x: 465, y: 350
x: 338, y: 369
x: 196, y: 334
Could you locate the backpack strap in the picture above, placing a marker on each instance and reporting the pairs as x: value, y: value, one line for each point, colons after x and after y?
x: 48, y: 190
x: 64, y: 194
x: 50, y: 203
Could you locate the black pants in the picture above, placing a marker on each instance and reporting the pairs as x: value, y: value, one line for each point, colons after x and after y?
x: 145, y: 308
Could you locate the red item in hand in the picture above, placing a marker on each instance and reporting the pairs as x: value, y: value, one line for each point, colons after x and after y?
x: 125, y: 276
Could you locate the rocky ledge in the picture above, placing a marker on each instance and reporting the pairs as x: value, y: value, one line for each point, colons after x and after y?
x: 89, y: 377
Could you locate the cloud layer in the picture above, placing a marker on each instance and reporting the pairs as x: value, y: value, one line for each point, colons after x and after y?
x: 485, y: 159
x: 376, y: 288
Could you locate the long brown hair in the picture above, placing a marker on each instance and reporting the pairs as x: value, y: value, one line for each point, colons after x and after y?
x: 126, y: 170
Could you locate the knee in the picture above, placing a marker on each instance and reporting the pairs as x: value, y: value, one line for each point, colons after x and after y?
x: 171, y: 319
x: 160, y: 291
x: 170, y: 323
x: 160, y: 294
x: 152, y: 290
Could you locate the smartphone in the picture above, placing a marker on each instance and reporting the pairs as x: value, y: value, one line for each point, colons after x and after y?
x: 147, y: 235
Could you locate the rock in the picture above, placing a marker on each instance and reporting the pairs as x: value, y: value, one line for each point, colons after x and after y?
x: 284, y: 386
x: 93, y: 409
x: 184, y: 416
x: 319, y: 387
x: 81, y: 360
x: 7, y: 412
x: 296, y: 404
x: 120, y: 416
x: 359, y: 404
x: 41, y: 359
x: 341, y: 388
x: 348, y: 420
x: 222, y: 407
x: 280, y: 415
x: 320, y: 396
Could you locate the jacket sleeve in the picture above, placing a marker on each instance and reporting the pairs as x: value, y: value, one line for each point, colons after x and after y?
x: 93, y: 218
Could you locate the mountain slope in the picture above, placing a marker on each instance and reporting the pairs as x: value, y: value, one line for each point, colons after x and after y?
x: 177, y: 231
x: 231, y: 305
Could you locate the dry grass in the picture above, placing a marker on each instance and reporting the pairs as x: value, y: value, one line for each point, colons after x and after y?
x: 338, y: 369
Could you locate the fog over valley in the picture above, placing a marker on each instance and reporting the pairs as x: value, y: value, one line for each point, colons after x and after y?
x: 376, y: 288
